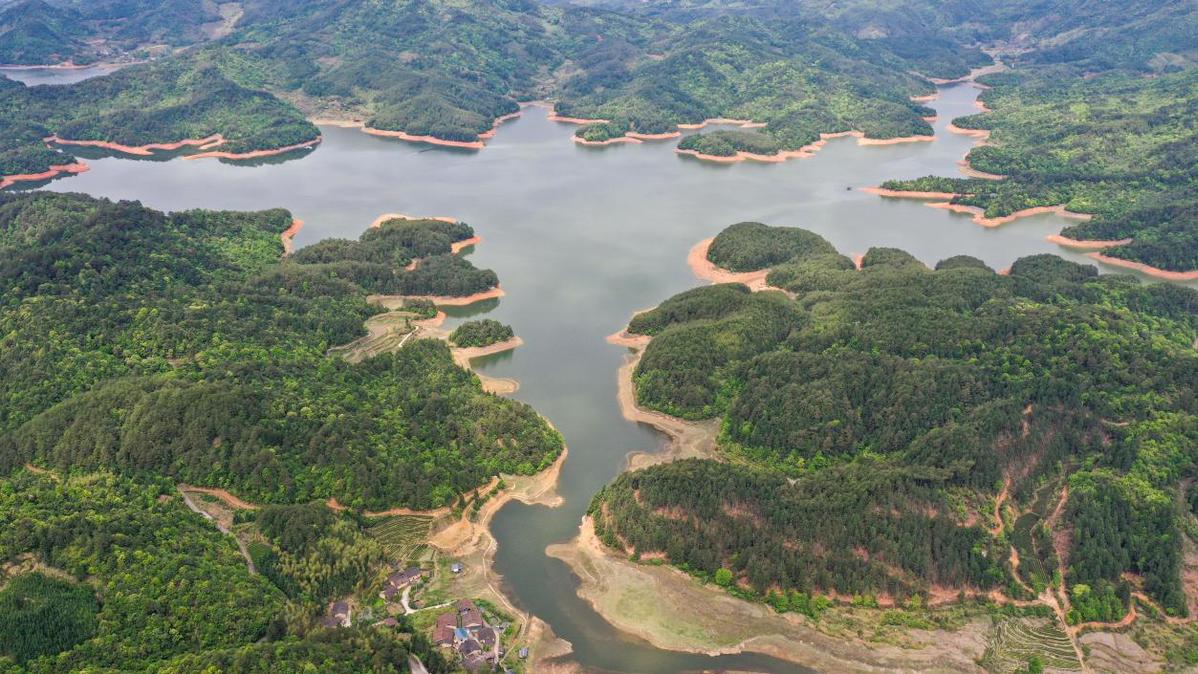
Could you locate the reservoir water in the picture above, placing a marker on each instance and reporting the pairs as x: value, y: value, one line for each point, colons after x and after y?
x: 581, y: 238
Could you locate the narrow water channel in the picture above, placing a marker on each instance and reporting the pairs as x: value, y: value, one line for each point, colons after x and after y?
x: 581, y: 239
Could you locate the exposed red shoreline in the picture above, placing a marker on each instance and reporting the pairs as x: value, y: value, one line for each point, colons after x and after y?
x: 618, y: 140
x: 1145, y: 269
x: 706, y: 270
x: 141, y: 150
x: 430, y: 140
x: 288, y: 236
x: 255, y: 154
x: 54, y: 171
x: 1081, y: 244
x: 979, y: 215
x: 899, y: 194
x: 447, y: 300
x: 458, y: 246
x: 804, y: 152
x: 653, y: 136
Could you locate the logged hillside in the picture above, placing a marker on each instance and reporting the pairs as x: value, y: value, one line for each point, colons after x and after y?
x: 180, y: 346
x: 872, y: 421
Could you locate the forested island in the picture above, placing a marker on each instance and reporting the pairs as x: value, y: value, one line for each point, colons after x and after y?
x: 896, y: 434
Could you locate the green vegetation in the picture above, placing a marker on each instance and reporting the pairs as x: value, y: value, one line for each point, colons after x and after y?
x: 749, y: 246
x: 42, y: 615
x: 314, y: 554
x: 180, y: 346
x: 176, y: 595
x: 378, y: 261
x: 36, y: 32
x: 170, y: 583
x: 863, y: 417
x: 1117, y: 147
x: 483, y: 332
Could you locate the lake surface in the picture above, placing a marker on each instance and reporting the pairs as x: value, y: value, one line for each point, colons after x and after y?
x: 581, y: 239
x: 32, y: 75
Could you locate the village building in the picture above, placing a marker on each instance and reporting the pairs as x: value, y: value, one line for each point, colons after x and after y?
x: 397, y: 581
x: 338, y: 614
x: 466, y: 631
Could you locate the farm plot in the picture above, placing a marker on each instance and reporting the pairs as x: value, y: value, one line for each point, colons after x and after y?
x: 402, y: 536
x: 1013, y: 642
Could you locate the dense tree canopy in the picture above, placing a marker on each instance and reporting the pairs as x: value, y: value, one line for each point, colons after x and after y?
x: 179, y: 345
x: 940, y: 385
x: 1119, y: 147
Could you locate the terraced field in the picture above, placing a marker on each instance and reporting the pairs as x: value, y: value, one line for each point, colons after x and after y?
x: 387, y: 332
x: 1014, y: 641
x: 403, y: 536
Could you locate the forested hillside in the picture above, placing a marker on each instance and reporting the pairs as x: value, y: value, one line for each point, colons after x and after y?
x: 873, y: 417
x: 166, y: 101
x: 36, y: 32
x: 106, y: 573
x: 1119, y: 147
x: 178, y: 345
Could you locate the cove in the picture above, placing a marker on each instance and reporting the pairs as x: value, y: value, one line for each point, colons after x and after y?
x: 582, y: 238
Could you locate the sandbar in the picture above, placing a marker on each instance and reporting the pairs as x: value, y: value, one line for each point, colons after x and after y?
x: 899, y: 194
x: 54, y: 171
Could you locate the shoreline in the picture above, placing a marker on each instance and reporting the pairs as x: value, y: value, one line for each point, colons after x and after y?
x: 616, y: 588
x: 899, y: 194
x: 497, y: 385
x: 256, y: 154
x: 604, y: 143
x: 477, y: 144
x: 805, y: 152
x: 684, y: 438
x: 979, y: 215
x: 378, y: 222
x: 288, y: 236
x: 140, y: 150
x: 1079, y: 244
x: 54, y: 171
x: 1147, y: 270
x: 706, y: 270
